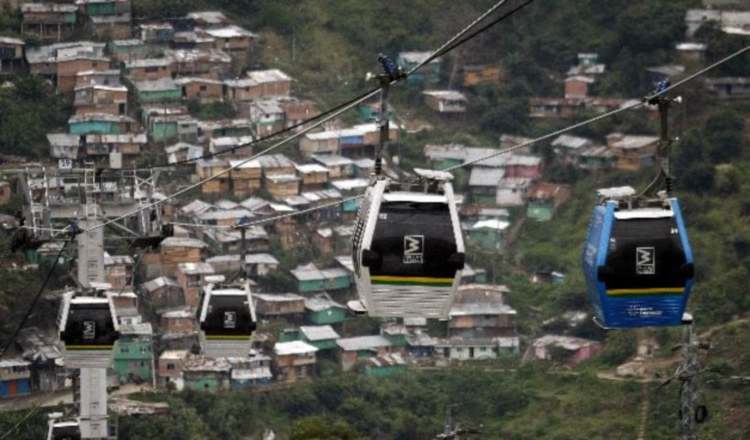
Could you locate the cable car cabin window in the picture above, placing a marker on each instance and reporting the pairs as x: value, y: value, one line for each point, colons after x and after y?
x: 90, y: 325
x: 645, y: 253
x: 414, y: 240
x: 228, y: 315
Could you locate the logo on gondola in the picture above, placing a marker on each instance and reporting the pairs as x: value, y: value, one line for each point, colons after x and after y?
x: 230, y: 319
x: 89, y: 329
x: 645, y: 260
x: 413, y: 249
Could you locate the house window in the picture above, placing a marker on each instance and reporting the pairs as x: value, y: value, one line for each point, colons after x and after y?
x: 203, y: 88
x: 170, y: 366
x: 151, y: 69
x: 124, y: 350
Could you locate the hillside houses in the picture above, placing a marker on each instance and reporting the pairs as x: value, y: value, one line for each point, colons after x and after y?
x: 49, y: 21
x: 178, y: 92
x: 11, y: 55
x: 356, y: 141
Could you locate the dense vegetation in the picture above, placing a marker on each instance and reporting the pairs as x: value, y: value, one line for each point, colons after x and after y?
x: 29, y: 110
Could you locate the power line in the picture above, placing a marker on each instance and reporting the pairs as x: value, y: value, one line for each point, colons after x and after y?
x: 20, y: 422
x: 294, y: 136
x: 36, y: 298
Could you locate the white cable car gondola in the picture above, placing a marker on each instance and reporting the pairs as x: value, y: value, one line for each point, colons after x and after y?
x: 58, y: 429
x: 89, y: 328
x: 227, y: 320
x: 408, y: 247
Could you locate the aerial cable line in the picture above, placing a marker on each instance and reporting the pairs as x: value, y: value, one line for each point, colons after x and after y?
x: 38, y: 295
x: 457, y: 40
x: 532, y: 141
x: 294, y: 136
x: 30, y: 413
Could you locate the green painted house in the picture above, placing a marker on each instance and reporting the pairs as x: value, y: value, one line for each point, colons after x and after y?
x: 323, y: 337
x: 322, y: 310
x: 310, y: 279
x: 206, y: 374
x: 289, y: 335
x: 170, y: 127
x: 134, y: 354
x: 386, y: 365
x: 127, y: 49
x: 428, y: 74
x: 540, y: 210
x: 395, y: 333
x: 161, y: 90
x: 488, y: 234
x: 100, y: 123
x: 100, y: 7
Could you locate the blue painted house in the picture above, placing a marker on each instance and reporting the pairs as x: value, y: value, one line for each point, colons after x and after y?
x: 100, y: 123
x: 15, y: 378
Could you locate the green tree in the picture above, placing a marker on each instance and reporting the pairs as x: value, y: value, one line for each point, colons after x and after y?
x: 322, y: 428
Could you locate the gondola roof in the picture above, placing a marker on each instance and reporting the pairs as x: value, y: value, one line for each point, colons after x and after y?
x: 401, y: 196
x: 643, y: 213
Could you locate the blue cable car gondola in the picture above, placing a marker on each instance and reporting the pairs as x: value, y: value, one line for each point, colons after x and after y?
x: 638, y: 264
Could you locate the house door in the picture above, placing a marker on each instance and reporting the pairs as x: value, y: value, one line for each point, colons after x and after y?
x: 471, y: 352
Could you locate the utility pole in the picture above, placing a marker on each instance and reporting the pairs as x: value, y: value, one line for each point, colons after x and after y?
x: 692, y: 412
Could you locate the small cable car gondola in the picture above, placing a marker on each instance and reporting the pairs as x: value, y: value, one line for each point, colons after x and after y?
x: 68, y: 430
x: 227, y: 321
x: 408, y: 247
x: 89, y: 328
x: 637, y: 262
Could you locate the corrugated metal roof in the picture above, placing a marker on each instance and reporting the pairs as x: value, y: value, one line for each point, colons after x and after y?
x: 363, y: 343
x: 349, y: 184
x: 451, y: 95
x: 489, y: 177
x: 321, y: 302
x: 275, y: 161
x: 293, y: 347
x: 261, y: 259
x: 332, y: 160
x: 278, y: 297
x: 318, y: 332
x: 201, y: 268
x: 183, y: 242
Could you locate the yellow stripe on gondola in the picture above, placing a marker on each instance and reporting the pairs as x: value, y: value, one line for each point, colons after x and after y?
x: 646, y: 291
x: 390, y: 279
x: 228, y: 337
x: 89, y: 347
